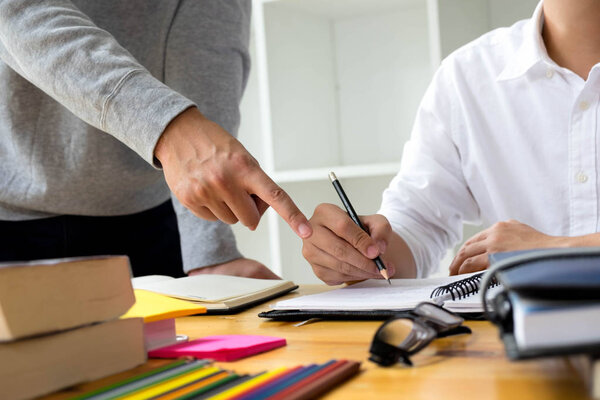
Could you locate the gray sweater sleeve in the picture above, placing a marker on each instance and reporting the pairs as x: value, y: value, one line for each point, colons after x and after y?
x: 214, y: 76
x: 61, y: 51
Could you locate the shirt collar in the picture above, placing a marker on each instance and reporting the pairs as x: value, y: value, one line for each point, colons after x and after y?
x: 532, y: 50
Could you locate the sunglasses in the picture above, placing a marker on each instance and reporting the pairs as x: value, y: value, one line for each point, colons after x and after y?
x: 408, y: 333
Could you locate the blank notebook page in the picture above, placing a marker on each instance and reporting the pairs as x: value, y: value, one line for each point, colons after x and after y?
x: 377, y: 294
x: 207, y: 288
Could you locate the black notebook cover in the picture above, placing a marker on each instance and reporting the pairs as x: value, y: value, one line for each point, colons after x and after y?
x: 342, y: 315
x: 452, y: 291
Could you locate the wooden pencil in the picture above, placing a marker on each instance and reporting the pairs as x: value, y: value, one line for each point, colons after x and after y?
x: 247, y: 385
x: 193, y: 386
x: 324, y: 383
x: 258, y: 389
x: 163, y: 387
x: 326, y: 368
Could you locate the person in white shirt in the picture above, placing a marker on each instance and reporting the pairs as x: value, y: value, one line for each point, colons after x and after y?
x: 507, y: 135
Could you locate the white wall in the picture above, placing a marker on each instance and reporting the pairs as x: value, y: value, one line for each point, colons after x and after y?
x: 345, y: 78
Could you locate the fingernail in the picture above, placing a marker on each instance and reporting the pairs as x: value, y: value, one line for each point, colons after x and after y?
x: 304, y: 231
x: 382, y: 246
x: 391, y: 269
x: 372, y: 251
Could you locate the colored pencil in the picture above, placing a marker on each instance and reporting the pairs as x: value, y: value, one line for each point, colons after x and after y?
x: 290, y: 381
x: 324, y: 383
x: 150, y: 380
x: 193, y: 386
x: 284, y: 381
x: 187, y: 380
x: 170, y: 384
x: 255, y: 392
x: 218, y: 384
x: 330, y: 366
x: 132, y: 379
x: 221, y: 388
x: 247, y: 385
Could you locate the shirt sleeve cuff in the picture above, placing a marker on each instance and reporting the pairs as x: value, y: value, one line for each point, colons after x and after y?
x: 426, y: 252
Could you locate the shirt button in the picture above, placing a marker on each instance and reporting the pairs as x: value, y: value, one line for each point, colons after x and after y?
x: 584, y: 105
x: 549, y: 73
x: 581, y: 177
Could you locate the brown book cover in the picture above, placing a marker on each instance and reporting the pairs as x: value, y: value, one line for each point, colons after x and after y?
x: 44, y: 364
x: 52, y: 295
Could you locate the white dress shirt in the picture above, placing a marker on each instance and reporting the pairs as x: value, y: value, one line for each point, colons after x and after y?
x: 502, y: 132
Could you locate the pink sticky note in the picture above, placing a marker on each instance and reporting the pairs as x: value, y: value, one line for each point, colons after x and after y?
x: 220, y: 348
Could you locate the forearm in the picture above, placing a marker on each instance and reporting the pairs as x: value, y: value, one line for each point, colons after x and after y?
x: 510, y: 235
x: 590, y: 240
x: 61, y: 51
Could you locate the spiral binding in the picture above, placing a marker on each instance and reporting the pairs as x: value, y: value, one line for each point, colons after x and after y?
x: 463, y: 288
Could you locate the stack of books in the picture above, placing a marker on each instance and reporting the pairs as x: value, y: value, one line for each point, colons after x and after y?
x: 60, y: 325
x: 550, y: 306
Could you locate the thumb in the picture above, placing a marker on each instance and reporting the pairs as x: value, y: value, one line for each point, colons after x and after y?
x: 379, y: 229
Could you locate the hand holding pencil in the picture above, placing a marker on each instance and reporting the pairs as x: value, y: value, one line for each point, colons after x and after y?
x: 352, y: 214
x: 340, y: 251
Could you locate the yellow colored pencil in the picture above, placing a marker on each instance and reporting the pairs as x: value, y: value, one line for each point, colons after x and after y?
x: 242, y: 387
x: 192, y: 387
x: 171, y: 384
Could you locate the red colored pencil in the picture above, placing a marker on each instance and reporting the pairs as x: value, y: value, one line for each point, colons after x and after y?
x: 325, y: 379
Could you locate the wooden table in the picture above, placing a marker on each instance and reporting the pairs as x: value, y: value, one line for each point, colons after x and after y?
x: 460, y: 367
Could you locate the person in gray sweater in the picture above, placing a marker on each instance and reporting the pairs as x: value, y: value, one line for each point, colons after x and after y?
x: 112, y: 110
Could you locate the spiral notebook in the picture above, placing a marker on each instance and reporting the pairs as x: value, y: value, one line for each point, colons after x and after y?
x: 376, y: 299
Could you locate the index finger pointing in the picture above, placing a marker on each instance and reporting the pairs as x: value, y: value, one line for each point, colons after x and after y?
x: 282, y: 203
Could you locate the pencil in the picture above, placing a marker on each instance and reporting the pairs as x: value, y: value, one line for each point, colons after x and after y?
x: 315, y: 386
x: 340, y: 191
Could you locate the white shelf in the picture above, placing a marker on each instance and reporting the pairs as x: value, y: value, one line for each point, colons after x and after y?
x: 345, y: 9
x: 343, y: 171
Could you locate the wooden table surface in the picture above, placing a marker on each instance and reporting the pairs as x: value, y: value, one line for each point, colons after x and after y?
x: 459, y: 367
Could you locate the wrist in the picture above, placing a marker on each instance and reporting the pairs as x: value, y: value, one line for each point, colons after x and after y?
x: 181, y: 124
x: 578, y: 241
x: 202, y: 270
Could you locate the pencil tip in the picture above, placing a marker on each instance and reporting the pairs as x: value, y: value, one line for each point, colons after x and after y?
x: 384, y: 273
x: 332, y: 176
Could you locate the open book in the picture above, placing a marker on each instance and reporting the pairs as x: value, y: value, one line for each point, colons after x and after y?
x: 376, y: 298
x: 220, y: 294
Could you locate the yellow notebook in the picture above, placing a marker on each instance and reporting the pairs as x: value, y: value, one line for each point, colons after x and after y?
x: 155, y: 307
x: 159, y: 313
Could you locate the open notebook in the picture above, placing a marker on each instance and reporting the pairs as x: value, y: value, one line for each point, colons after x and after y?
x: 220, y: 294
x: 377, y: 299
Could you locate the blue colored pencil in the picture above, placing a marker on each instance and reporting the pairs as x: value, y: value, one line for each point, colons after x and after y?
x: 290, y: 381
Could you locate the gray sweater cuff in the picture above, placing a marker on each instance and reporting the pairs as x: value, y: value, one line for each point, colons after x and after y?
x: 139, y: 109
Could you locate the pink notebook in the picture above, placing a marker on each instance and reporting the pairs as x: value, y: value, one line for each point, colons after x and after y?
x: 220, y: 348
